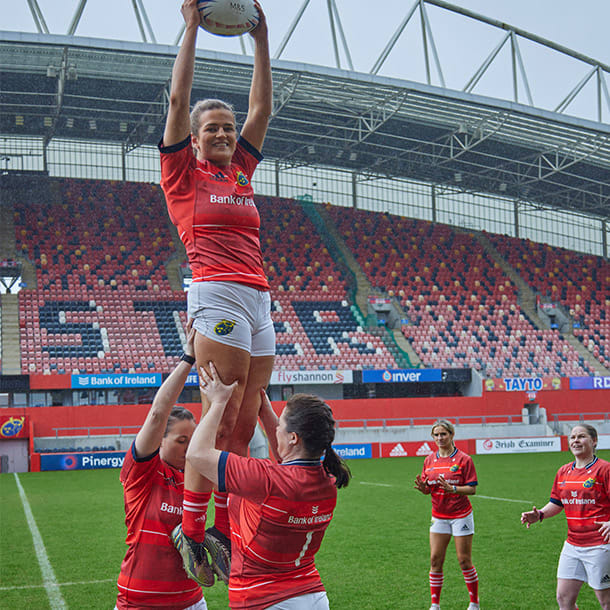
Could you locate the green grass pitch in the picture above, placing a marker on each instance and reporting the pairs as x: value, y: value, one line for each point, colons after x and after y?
x: 374, y: 555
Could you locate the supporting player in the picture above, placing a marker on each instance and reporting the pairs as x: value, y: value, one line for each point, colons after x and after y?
x: 211, y: 202
x: 278, y: 512
x: 152, y: 575
x: 449, y: 476
x: 582, y: 489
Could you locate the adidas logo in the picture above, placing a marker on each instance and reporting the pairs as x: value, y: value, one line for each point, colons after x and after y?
x: 465, y: 528
x: 220, y: 177
x: 605, y: 578
x: 424, y: 450
x: 398, y: 451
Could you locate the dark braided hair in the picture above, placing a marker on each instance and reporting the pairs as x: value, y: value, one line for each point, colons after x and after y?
x: 312, y: 420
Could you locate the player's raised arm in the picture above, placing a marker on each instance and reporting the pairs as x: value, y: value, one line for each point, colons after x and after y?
x: 177, y: 125
x: 260, y: 102
x: 150, y: 435
x: 269, y: 421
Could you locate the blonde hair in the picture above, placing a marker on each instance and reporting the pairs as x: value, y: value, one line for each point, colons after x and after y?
x: 443, y: 423
x: 203, y: 106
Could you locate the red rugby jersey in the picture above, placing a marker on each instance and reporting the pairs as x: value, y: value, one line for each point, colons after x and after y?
x: 458, y: 469
x: 584, y: 494
x: 215, y: 214
x: 278, y: 515
x: 151, y: 573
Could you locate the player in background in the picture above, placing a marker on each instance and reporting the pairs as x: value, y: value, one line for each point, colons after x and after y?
x: 206, y: 173
x: 152, y: 476
x: 279, y: 512
x: 449, y: 477
x: 582, y: 489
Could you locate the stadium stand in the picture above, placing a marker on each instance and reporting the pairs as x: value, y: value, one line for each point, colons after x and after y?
x: 463, y: 310
x: 103, y: 302
x: 578, y: 282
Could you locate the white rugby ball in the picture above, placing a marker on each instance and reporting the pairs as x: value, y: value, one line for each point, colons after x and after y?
x: 228, y: 17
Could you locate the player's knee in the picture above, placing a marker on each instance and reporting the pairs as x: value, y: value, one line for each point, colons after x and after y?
x: 436, y: 563
x: 465, y: 563
x: 565, y: 600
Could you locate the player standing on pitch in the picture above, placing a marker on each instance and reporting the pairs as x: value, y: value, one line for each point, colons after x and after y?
x: 449, y: 476
x: 278, y: 512
x: 206, y: 169
x: 582, y: 489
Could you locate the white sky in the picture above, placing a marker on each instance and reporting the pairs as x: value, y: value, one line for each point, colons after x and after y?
x: 462, y: 43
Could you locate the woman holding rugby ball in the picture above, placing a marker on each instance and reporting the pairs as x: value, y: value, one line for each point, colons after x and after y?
x: 206, y: 174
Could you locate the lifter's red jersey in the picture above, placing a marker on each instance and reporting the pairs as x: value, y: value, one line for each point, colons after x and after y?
x: 151, y: 573
x: 214, y: 211
x: 278, y: 515
x: 584, y: 494
x: 457, y: 469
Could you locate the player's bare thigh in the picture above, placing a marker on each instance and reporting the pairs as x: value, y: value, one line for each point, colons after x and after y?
x: 252, y: 372
x: 231, y: 364
x: 259, y: 375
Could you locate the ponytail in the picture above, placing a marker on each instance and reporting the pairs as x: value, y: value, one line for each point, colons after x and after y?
x: 312, y: 419
x: 336, y: 467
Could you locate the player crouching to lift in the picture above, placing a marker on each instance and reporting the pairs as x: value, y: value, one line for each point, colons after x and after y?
x: 449, y: 476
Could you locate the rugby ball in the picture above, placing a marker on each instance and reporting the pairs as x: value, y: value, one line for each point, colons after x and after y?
x: 227, y: 17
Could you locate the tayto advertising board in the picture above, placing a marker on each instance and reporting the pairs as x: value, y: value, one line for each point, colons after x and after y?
x: 356, y: 451
x: 81, y: 461
x: 522, y: 384
x: 401, y: 376
x: 533, y: 444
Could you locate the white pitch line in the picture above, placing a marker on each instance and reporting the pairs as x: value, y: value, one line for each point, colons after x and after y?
x: 476, y: 496
x: 48, y: 576
x: 503, y: 499
x: 61, y: 584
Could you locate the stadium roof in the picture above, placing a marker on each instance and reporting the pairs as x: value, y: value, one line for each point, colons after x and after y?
x: 82, y: 88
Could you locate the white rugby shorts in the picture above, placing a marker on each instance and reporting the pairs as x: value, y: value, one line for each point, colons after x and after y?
x: 233, y: 314
x: 590, y: 564
x: 464, y: 526
x: 311, y: 601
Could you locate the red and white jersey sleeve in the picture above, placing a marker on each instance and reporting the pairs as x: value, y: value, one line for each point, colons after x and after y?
x: 214, y: 211
x: 584, y: 494
x: 278, y: 514
x: 151, y: 573
x: 457, y: 469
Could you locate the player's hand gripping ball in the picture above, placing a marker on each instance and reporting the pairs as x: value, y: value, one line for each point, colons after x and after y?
x: 228, y: 17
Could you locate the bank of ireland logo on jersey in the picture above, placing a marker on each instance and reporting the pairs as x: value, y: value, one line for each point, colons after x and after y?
x: 574, y: 494
x: 589, y: 483
x: 241, y: 179
x: 314, y: 510
x: 224, y: 327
